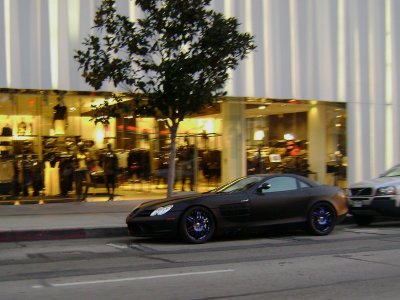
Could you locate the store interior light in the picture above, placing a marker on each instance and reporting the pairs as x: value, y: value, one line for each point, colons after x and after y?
x: 288, y: 136
x: 100, y: 134
x: 258, y: 135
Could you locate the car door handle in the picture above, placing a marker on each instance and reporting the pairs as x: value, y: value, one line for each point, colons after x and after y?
x: 244, y: 200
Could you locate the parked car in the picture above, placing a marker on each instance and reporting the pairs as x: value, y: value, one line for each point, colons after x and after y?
x: 248, y: 202
x: 375, y: 197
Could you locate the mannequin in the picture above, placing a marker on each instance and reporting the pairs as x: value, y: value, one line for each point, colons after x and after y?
x: 60, y: 117
x: 52, y: 175
x: 22, y: 127
x: 82, y: 177
x: 110, y: 166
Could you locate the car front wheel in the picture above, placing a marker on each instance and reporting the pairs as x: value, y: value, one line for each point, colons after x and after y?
x: 197, y: 225
x: 321, y: 219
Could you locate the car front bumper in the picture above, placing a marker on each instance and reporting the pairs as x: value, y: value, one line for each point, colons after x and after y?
x: 154, y: 226
x: 380, y: 205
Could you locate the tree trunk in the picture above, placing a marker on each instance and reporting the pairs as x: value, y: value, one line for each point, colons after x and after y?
x: 172, y: 155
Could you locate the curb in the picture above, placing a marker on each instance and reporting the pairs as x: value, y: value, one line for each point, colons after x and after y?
x: 77, y: 233
x: 61, y: 234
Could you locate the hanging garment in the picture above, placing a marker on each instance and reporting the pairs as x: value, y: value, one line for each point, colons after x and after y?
x: 110, y: 163
x: 59, y: 127
x: 123, y: 159
x: 37, y: 177
x: 7, y: 171
x: 81, y: 160
x: 51, y: 179
x: 60, y: 112
x: 7, y: 131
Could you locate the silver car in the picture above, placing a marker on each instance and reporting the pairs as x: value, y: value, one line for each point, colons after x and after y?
x: 375, y: 197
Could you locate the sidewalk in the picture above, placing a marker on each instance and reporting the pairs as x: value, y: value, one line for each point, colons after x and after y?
x: 96, y: 217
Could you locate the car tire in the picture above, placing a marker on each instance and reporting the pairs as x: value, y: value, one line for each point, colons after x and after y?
x: 363, y: 220
x: 197, y: 225
x: 321, y: 219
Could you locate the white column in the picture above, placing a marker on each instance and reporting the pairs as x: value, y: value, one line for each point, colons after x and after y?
x: 317, y: 141
x: 233, y: 141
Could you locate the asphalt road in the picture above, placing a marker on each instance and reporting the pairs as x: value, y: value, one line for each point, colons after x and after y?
x: 351, y: 263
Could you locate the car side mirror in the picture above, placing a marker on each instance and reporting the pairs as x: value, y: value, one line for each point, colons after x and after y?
x: 264, y: 186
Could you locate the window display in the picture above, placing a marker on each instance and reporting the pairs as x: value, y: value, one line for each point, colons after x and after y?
x: 49, y: 128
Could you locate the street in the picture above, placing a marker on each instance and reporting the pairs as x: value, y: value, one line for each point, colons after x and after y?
x: 351, y: 263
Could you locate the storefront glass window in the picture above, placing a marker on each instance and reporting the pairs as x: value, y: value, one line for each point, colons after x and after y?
x: 279, y: 136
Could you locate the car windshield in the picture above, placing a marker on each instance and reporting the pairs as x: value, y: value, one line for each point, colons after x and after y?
x: 393, y: 172
x: 238, y: 185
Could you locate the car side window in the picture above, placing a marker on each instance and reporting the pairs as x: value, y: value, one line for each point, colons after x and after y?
x: 303, y: 184
x: 280, y: 184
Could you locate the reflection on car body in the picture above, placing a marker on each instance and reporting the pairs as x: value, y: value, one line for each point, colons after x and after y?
x: 249, y: 202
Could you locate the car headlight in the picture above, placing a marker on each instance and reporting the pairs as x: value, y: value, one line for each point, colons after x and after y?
x: 161, y: 210
x: 387, y: 190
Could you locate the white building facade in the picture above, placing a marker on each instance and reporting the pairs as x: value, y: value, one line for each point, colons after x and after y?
x: 321, y: 51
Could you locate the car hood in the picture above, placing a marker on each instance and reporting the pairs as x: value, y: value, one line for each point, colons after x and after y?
x: 377, y: 182
x: 173, y: 200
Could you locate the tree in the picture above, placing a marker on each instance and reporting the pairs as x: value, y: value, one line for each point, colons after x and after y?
x: 173, y: 62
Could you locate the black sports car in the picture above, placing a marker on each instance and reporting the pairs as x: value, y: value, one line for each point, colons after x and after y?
x: 248, y: 202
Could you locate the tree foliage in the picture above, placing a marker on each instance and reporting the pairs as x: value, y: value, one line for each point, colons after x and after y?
x: 173, y: 61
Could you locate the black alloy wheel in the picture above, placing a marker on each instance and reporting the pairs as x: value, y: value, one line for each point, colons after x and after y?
x: 197, y: 225
x: 363, y: 220
x: 321, y: 219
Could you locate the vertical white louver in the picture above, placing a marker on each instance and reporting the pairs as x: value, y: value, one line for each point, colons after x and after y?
x: 325, y: 50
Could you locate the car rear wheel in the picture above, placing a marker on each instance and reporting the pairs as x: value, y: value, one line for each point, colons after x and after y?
x: 321, y: 219
x: 197, y: 225
x: 363, y: 220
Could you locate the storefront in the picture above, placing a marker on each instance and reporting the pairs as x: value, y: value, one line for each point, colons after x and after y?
x: 44, y: 134
x: 41, y: 127
x: 281, y: 135
x: 324, y: 70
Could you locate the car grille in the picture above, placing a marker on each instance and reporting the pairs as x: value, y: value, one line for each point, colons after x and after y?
x: 139, y: 228
x: 361, y: 191
x: 145, y: 228
x: 361, y: 199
